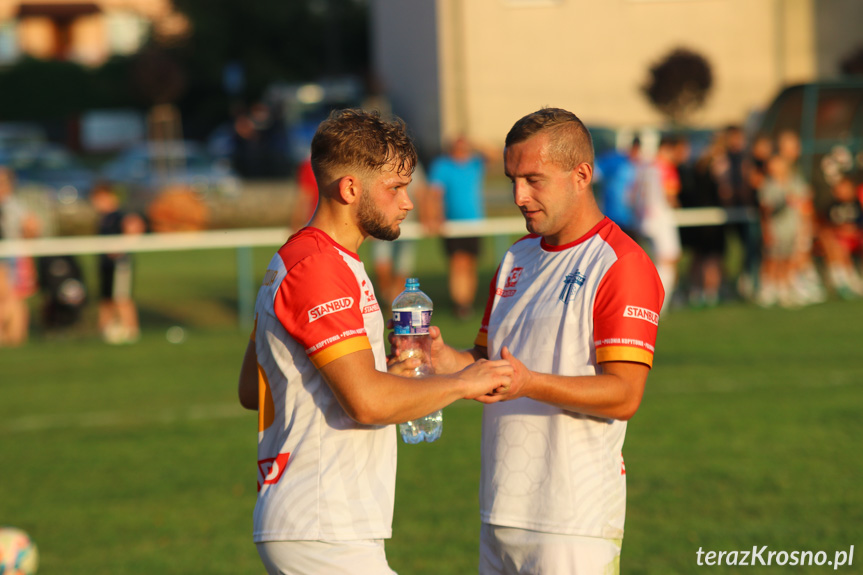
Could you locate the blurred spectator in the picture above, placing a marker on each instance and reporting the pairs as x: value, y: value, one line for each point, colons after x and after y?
x: 18, y: 278
x: 760, y: 153
x: 394, y: 261
x: 736, y: 192
x: 807, y: 282
x: 64, y: 293
x: 118, y: 315
x: 780, y: 226
x: 456, y: 179
x: 754, y: 174
x: 307, y: 195
x: 244, y: 137
x: 656, y: 195
x: 700, y: 188
x: 841, y: 238
x: 616, y: 171
x: 259, y: 142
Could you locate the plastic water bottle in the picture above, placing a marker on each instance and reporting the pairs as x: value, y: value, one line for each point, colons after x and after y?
x: 412, y: 311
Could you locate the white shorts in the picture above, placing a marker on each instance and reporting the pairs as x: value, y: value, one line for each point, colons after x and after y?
x: 512, y: 551
x: 663, y: 236
x: 123, y: 281
x: 362, y: 557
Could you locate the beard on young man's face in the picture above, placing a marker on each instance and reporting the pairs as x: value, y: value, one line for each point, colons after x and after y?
x: 373, y: 221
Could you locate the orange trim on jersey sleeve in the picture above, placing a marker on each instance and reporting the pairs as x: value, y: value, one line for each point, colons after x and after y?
x: 624, y: 353
x: 481, y: 339
x: 337, y: 350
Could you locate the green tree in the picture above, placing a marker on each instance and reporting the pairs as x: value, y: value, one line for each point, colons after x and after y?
x: 273, y: 40
x: 852, y: 63
x: 35, y: 89
x: 679, y: 84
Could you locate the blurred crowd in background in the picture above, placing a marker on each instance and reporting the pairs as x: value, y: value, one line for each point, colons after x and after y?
x: 773, y: 244
x: 787, y: 252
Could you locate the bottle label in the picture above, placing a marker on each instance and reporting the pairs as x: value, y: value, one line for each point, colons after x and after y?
x: 411, y: 322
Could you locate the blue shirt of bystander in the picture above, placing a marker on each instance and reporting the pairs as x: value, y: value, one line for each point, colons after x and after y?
x: 462, y: 185
x: 617, y: 178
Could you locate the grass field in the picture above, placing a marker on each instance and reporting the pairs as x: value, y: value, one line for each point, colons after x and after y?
x: 138, y: 460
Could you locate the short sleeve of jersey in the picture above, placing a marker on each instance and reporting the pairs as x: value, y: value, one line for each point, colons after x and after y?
x: 318, y: 303
x: 626, y: 311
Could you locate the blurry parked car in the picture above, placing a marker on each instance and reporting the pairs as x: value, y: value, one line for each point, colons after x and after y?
x: 141, y: 172
x: 828, y: 118
x: 15, y: 134
x: 49, y: 168
x: 301, y: 107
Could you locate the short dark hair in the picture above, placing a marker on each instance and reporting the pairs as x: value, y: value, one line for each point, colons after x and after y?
x: 571, y: 143
x: 359, y: 139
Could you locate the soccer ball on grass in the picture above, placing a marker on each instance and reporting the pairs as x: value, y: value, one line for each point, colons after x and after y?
x: 18, y: 553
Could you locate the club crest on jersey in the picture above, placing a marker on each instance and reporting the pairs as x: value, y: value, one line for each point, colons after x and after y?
x: 333, y: 306
x: 508, y: 289
x: 270, y: 277
x: 641, y: 313
x: 571, y: 283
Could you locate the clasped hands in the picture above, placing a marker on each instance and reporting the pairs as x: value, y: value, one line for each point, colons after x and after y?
x: 511, y: 373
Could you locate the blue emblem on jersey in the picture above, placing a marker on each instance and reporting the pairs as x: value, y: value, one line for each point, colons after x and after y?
x: 571, y: 283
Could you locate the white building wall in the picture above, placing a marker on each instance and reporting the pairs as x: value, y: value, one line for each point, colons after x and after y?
x: 501, y: 59
x: 594, y: 57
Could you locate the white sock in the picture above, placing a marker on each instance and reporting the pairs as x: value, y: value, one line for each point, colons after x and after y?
x: 838, y: 276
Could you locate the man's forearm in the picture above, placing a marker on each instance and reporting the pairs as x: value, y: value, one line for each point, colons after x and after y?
x: 453, y: 360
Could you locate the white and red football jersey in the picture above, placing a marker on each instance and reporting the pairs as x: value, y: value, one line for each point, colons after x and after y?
x: 321, y: 475
x: 564, y: 310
